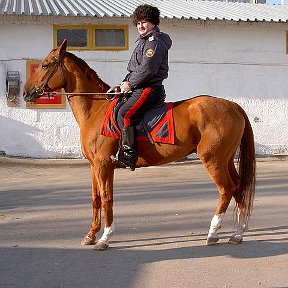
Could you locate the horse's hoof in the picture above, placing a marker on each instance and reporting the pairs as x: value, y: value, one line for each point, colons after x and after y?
x: 212, y: 240
x: 237, y: 239
x: 87, y: 241
x: 101, y: 246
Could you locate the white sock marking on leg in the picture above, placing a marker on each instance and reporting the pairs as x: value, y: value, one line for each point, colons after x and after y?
x: 215, y: 225
x: 108, y: 232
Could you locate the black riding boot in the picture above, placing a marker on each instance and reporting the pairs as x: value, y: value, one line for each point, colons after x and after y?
x: 129, y: 156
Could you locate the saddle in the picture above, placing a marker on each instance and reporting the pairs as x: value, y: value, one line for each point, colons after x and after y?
x: 157, y: 124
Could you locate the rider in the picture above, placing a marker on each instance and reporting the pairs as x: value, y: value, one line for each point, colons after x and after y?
x: 142, y: 86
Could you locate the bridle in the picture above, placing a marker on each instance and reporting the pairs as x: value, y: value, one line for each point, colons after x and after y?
x: 40, y: 91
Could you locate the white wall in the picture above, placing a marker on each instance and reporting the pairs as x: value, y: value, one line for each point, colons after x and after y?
x: 243, y: 62
x: 246, y: 63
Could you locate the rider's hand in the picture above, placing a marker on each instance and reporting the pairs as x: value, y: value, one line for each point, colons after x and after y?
x: 125, y: 87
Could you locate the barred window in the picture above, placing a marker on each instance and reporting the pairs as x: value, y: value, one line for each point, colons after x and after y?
x: 109, y: 38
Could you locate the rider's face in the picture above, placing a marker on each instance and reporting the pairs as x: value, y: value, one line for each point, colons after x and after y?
x: 144, y: 27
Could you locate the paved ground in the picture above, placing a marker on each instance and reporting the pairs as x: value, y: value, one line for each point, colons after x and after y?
x: 162, y: 215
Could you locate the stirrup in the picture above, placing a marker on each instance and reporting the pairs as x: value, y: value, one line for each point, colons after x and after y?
x: 115, y: 160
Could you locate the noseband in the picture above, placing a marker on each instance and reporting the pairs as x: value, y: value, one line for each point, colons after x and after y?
x: 40, y: 91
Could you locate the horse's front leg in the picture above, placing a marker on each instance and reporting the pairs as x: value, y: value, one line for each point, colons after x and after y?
x: 90, y: 238
x: 104, y: 175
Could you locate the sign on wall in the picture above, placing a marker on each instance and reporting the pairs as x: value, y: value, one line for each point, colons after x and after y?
x: 55, y: 101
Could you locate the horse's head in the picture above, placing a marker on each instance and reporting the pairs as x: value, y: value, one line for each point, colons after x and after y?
x: 48, y: 76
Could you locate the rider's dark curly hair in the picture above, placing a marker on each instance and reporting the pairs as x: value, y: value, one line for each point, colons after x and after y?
x: 148, y: 13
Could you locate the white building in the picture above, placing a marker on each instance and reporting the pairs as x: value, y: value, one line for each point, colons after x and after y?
x: 237, y: 51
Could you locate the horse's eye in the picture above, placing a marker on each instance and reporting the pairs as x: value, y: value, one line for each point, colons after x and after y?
x: 44, y: 66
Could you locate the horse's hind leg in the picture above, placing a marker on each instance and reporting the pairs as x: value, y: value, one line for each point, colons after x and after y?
x: 241, y: 226
x: 237, y: 237
x: 218, y: 170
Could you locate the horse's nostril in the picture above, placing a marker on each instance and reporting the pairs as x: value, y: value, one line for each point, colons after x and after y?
x: 26, y: 96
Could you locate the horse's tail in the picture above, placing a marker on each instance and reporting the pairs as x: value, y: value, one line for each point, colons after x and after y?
x: 247, y: 170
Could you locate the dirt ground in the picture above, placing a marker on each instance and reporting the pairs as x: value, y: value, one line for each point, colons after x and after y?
x: 162, y: 215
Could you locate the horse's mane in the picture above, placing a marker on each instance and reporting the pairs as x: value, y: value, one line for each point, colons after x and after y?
x: 88, y: 72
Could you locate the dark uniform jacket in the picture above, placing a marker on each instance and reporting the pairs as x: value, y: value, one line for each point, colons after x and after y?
x: 148, y: 65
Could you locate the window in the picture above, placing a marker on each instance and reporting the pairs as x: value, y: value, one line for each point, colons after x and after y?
x: 109, y: 38
x: 106, y: 37
x: 77, y: 37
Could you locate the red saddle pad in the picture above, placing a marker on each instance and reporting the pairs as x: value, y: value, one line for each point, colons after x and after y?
x: 158, y: 122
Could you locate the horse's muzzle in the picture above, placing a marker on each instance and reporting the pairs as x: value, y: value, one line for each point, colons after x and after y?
x: 30, y: 96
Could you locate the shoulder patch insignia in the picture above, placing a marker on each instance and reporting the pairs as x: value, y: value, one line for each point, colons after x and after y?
x: 149, y: 53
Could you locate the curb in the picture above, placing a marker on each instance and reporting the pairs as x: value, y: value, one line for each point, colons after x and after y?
x: 12, y: 161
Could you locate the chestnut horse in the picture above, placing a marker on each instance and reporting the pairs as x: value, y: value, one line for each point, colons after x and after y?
x: 209, y: 126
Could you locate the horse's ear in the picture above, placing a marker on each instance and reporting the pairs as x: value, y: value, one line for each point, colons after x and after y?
x: 62, y: 48
x: 59, y: 52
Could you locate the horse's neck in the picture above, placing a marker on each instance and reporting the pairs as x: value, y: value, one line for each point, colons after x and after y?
x: 86, y: 107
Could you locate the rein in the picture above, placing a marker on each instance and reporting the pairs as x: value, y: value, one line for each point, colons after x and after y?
x: 71, y: 94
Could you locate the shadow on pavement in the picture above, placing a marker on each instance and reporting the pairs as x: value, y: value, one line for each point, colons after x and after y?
x: 117, y: 267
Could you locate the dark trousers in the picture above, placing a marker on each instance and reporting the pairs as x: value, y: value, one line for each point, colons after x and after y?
x: 137, y: 103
